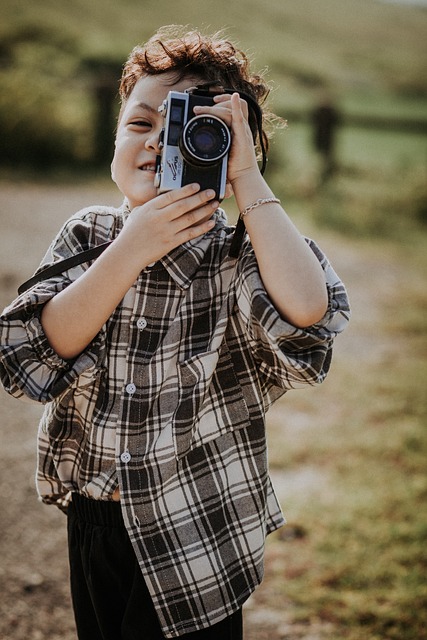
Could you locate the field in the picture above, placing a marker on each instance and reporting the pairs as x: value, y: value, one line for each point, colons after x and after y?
x: 348, y: 458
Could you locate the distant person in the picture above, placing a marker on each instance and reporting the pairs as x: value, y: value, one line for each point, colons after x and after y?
x: 158, y: 360
x: 325, y: 119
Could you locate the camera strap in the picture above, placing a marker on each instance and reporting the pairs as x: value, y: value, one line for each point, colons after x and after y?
x: 63, y: 265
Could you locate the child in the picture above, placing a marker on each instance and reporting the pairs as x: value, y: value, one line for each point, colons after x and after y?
x: 158, y: 361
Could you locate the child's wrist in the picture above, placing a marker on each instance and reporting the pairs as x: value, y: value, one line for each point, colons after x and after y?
x: 246, y: 178
x: 249, y: 187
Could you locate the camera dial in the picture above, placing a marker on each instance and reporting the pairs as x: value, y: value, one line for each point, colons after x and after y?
x: 205, y: 140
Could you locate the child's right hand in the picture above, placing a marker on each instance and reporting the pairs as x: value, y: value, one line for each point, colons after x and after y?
x: 167, y: 221
x: 72, y: 318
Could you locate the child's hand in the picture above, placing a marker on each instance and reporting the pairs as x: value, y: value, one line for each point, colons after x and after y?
x: 233, y: 110
x: 72, y: 318
x: 162, y: 224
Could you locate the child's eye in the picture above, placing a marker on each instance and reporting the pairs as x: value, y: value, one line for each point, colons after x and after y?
x: 140, y: 123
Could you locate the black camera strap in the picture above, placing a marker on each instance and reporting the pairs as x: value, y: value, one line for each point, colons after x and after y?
x: 61, y: 266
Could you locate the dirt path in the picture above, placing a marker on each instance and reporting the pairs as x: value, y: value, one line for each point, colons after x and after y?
x: 35, y: 600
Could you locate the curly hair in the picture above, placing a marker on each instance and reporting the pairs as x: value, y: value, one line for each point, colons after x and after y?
x: 208, y: 59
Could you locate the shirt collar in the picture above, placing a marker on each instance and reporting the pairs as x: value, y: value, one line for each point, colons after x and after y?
x: 183, y: 262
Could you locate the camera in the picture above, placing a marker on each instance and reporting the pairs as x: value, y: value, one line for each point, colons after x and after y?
x: 193, y: 148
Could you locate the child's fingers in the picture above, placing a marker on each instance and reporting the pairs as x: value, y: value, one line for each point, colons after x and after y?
x: 187, y: 199
x: 229, y: 108
x: 233, y: 100
x: 238, y: 106
x: 191, y: 231
x: 222, y: 111
x: 193, y: 217
x: 175, y: 195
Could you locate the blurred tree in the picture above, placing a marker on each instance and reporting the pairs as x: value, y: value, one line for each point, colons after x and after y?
x: 37, y: 64
x: 55, y: 106
x: 104, y: 77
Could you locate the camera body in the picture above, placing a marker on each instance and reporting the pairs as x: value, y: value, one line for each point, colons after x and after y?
x: 193, y: 148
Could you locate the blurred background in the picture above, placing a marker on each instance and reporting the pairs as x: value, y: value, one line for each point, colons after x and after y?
x: 350, y: 78
x: 348, y: 459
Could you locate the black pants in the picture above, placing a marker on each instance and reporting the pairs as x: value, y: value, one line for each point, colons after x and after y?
x: 110, y: 597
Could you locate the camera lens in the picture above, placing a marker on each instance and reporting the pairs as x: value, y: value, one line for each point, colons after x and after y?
x: 205, y: 140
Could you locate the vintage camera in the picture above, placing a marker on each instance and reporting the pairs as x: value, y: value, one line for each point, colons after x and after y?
x: 193, y: 148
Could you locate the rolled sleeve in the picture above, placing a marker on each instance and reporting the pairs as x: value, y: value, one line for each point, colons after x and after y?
x: 40, y: 344
x: 290, y: 355
x: 29, y: 366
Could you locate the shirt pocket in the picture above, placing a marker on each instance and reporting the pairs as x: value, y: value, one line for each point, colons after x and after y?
x: 211, y: 402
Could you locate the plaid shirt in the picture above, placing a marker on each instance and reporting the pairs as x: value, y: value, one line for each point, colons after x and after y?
x: 168, y: 402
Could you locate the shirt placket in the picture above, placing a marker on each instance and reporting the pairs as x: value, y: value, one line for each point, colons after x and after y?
x: 136, y: 434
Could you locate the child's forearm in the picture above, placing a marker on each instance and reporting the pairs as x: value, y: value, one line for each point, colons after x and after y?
x: 292, y: 275
x: 74, y: 317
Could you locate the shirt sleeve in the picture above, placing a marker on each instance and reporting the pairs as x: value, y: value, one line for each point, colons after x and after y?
x: 29, y: 367
x: 288, y: 355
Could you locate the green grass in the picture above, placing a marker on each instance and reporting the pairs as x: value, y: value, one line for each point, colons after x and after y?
x: 379, y: 189
x: 350, y: 456
x: 359, y: 555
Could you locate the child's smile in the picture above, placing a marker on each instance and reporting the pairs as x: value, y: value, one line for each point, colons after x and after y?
x: 140, y: 123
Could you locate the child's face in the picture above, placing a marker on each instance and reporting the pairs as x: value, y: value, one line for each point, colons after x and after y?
x: 133, y: 166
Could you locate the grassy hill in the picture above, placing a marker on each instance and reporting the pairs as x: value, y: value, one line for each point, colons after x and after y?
x: 352, y: 42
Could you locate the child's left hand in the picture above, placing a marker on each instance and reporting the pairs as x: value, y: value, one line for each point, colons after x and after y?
x: 233, y: 110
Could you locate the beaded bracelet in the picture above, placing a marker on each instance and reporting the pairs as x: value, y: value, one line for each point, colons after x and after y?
x: 258, y: 203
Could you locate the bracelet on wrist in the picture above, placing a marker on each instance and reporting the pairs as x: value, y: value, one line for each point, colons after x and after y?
x: 258, y: 203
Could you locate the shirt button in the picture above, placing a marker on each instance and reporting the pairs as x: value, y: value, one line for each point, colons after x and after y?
x: 150, y: 265
x: 130, y: 388
x: 141, y: 323
x: 125, y: 457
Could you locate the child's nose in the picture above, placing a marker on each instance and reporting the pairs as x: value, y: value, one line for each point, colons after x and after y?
x: 152, y: 141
